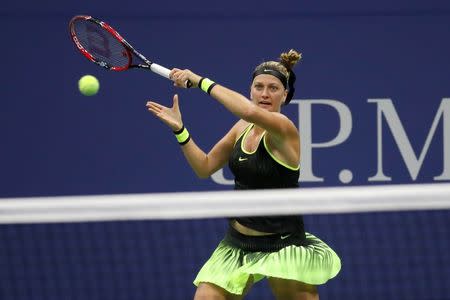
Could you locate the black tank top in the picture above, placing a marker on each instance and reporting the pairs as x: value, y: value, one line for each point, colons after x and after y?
x: 261, y: 170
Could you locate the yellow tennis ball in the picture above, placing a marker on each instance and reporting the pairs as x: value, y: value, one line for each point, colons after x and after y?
x: 88, y: 85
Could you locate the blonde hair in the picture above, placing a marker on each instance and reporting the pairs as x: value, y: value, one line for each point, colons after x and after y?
x: 287, y: 61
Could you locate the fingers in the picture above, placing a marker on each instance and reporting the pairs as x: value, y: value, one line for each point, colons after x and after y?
x: 180, y: 77
x: 154, y: 105
x: 154, y: 109
x: 173, y: 71
x: 176, y: 107
x: 169, y: 116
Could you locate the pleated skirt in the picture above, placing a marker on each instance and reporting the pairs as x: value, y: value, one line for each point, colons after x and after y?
x: 230, y: 267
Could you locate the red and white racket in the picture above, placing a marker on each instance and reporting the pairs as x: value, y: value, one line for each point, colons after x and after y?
x: 103, y: 45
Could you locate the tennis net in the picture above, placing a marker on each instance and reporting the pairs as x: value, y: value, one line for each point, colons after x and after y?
x: 393, y: 241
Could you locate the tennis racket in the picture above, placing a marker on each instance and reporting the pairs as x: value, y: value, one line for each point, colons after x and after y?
x: 103, y: 45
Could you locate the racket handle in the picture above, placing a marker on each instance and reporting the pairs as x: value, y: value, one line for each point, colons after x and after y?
x: 164, y: 72
x: 160, y: 70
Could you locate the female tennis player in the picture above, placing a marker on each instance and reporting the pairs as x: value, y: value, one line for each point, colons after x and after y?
x: 263, y: 152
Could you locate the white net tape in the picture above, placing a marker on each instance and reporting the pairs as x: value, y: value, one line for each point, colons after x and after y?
x: 192, y: 205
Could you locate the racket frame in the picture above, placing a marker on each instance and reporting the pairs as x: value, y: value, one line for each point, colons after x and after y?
x: 160, y: 70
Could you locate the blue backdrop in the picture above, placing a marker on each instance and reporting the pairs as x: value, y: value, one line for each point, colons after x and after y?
x: 372, y: 105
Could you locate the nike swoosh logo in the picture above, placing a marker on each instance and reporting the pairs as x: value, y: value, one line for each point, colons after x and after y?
x: 242, y: 158
x: 285, y: 236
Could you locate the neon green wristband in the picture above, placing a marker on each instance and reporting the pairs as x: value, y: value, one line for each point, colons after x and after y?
x: 182, y: 135
x: 206, y: 85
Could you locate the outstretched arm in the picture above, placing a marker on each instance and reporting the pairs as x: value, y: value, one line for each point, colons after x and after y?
x: 277, y: 124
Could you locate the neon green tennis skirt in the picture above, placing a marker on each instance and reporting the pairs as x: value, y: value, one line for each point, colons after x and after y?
x: 230, y: 267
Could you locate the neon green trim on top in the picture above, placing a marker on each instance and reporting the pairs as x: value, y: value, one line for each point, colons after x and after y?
x: 278, y: 160
x: 245, y: 136
x: 242, y: 133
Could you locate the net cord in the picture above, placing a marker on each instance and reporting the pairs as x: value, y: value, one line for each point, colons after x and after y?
x: 218, y: 204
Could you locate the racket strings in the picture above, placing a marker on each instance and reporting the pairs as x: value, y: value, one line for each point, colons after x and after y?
x: 101, y: 44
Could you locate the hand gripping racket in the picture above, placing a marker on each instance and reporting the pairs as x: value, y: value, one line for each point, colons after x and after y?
x: 103, y: 45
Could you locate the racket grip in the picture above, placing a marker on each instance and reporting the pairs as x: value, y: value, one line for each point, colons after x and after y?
x: 160, y: 70
x: 164, y: 72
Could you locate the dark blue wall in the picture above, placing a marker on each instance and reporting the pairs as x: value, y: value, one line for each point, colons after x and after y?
x: 54, y: 141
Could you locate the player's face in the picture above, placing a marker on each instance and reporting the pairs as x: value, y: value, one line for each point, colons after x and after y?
x: 268, y: 92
